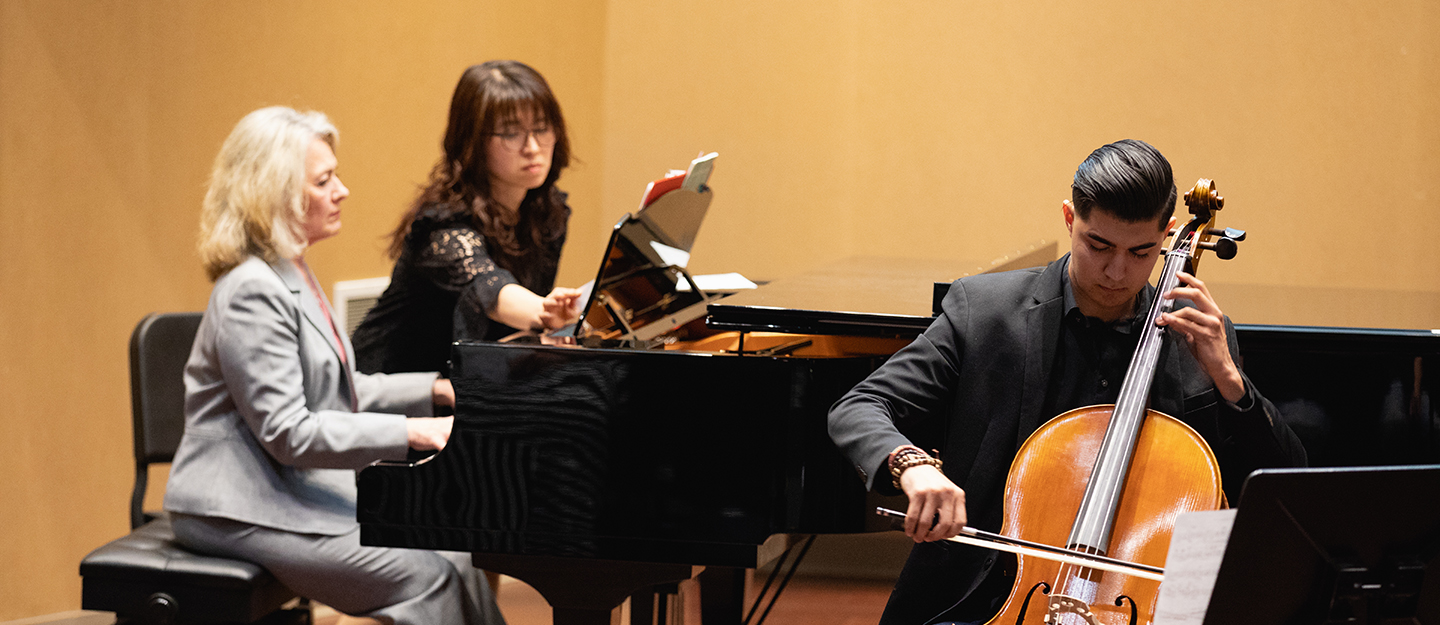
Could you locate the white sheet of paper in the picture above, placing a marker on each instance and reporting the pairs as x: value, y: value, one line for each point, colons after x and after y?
x: 717, y: 283
x: 673, y: 256
x: 584, y: 298
x: 1196, y: 548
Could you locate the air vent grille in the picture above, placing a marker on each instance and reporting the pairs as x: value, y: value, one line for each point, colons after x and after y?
x: 354, y: 298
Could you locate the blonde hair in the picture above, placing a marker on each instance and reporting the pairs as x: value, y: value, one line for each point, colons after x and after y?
x: 256, y: 201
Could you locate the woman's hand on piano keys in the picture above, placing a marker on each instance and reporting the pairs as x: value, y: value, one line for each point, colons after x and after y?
x: 442, y: 393
x: 519, y: 308
x: 428, y: 433
x: 560, y: 308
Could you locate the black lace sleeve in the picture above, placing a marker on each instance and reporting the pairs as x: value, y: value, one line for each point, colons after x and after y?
x: 455, y: 260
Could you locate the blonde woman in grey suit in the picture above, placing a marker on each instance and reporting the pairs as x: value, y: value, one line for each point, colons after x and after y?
x: 276, y: 418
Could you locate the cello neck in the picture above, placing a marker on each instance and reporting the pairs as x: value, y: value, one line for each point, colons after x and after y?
x: 1096, y: 517
x: 1135, y: 391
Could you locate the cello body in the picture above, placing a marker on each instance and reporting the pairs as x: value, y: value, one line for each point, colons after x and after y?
x: 1173, y: 471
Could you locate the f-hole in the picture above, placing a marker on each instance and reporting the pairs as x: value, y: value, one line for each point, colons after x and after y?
x: 1122, y: 600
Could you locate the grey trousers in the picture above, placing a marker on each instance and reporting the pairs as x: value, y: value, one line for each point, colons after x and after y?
x: 399, y: 586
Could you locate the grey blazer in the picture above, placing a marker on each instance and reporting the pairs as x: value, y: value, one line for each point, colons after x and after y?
x: 275, y: 423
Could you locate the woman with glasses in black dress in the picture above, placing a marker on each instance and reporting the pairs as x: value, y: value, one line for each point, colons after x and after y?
x: 476, y: 254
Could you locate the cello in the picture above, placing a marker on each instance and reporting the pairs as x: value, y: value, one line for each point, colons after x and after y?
x: 1092, y: 495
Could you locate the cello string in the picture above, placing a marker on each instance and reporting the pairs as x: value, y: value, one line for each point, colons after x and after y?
x: 1130, y: 409
x: 1129, y: 421
x: 1133, y: 412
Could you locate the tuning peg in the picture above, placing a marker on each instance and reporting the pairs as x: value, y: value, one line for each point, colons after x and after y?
x: 1234, y: 234
x: 1229, y: 233
x: 1224, y: 247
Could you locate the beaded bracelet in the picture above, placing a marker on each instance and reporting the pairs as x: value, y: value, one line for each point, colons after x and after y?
x: 907, y: 456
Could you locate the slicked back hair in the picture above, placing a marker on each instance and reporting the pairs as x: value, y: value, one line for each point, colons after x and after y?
x: 1129, y: 180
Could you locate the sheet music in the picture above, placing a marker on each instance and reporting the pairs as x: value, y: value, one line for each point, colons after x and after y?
x: 673, y: 256
x: 1196, y: 548
x: 717, y: 283
x: 584, y: 299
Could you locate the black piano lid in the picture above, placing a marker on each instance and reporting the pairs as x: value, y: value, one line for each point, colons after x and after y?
x: 863, y: 296
x: 889, y: 297
x: 1324, y: 339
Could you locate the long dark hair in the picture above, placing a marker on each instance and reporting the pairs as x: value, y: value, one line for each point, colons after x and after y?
x: 487, y: 96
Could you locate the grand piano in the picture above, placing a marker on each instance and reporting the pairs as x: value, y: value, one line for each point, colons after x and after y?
x: 682, y: 430
x: 656, y: 441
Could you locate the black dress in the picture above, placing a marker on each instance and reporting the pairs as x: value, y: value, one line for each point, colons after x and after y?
x: 443, y: 282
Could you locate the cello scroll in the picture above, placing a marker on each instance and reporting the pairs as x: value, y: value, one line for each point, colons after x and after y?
x: 1204, y: 202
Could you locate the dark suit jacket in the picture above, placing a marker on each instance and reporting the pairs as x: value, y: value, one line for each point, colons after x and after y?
x: 974, y: 385
x: 975, y: 381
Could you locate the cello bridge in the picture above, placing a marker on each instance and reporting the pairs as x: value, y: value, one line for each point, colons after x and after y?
x: 1061, y: 605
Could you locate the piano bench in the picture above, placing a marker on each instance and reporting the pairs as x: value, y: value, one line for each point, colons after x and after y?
x: 146, y: 577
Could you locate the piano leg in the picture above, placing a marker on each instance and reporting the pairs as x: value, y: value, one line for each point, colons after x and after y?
x: 642, y: 607
x: 663, y: 594
x: 582, y: 591
x: 651, y: 606
x: 580, y: 616
x: 722, y: 595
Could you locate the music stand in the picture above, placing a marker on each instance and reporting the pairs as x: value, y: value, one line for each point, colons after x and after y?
x: 1333, y: 545
x: 636, y: 295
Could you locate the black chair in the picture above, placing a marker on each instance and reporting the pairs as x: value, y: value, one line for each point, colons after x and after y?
x: 145, y: 576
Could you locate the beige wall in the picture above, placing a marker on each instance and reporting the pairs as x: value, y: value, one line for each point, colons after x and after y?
x: 923, y: 129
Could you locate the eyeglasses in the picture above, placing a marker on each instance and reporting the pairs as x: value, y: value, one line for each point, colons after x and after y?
x: 516, y: 139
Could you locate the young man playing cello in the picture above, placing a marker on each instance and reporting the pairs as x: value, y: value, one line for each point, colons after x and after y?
x: 1011, y: 350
